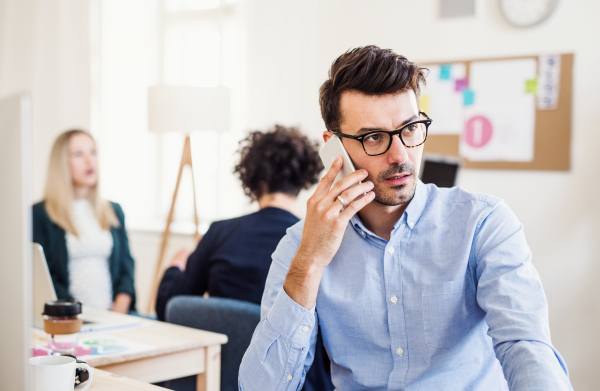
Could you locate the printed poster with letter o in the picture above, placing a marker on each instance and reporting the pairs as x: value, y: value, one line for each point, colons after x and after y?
x: 500, y: 111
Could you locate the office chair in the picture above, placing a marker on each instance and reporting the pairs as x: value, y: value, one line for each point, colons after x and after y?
x: 234, y: 318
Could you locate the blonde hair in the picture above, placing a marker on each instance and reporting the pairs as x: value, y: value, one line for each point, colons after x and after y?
x: 58, y: 193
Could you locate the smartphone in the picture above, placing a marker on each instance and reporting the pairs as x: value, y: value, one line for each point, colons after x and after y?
x: 332, y: 148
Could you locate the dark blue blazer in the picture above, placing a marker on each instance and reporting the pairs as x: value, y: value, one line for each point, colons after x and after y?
x: 53, y: 239
x: 232, y: 260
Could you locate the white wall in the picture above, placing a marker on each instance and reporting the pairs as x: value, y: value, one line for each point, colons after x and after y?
x: 45, y: 51
x: 291, y: 45
x: 42, y: 53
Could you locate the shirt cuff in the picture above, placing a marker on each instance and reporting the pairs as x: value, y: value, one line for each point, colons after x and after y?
x: 291, y: 319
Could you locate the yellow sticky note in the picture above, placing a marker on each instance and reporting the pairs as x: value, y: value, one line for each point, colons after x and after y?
x: 531, y: 86
x: 424, y: 103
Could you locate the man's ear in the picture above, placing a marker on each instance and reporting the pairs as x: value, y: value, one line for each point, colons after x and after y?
x: 327, y: 135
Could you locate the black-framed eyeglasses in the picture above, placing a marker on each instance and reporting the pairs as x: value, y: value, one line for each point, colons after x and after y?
x: 377, y: 142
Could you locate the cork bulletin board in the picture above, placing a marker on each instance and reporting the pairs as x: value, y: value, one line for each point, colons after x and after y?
x: 552, y: 137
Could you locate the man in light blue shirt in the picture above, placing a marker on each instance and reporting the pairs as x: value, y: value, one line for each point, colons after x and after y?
x: 414, y: 287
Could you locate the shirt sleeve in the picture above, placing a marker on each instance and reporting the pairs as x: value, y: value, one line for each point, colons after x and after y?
x: 510, y: 292
x: 193, y: 280
x: 283, y: 344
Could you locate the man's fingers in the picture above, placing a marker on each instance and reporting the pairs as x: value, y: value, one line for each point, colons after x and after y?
x: 350, y: 194
x: 344, y: 183
x: 357, y: 205
x: 326, y: 182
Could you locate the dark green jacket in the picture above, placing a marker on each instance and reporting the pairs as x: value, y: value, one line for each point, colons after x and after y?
x: 53, y: 239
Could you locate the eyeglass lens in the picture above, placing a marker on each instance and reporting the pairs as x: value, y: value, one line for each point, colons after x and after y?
x: 377, y: 143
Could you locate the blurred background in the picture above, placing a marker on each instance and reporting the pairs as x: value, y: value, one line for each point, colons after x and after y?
x: 89, y: 63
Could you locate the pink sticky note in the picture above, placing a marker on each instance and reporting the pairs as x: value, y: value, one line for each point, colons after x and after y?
x: 461, y: 84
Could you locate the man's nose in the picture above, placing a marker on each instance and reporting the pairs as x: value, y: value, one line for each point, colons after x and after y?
x: 397, y: 152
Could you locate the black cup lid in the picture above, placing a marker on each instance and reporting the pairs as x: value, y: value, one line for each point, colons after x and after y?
x: 62, y: 308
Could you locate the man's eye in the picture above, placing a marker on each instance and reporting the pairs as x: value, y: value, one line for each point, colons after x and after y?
x: 411, y: 128
x: 373, y: 137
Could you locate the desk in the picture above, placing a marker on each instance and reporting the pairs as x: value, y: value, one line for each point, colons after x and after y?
x: 106, y: 381
x: 179, y: 351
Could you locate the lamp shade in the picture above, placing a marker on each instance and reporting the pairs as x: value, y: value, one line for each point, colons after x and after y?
x: 186, y: 109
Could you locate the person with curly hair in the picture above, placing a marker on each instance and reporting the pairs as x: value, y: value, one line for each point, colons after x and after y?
x: 233, y: 258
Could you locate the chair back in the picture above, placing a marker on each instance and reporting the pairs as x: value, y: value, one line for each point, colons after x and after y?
x: 234, y: 318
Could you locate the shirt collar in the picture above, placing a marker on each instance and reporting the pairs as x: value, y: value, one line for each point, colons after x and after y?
x: 415, y: 208
x: 413, y: 211
x: 359, y: 226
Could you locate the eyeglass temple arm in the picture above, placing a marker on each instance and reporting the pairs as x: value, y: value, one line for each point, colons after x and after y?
x: 340, y: 134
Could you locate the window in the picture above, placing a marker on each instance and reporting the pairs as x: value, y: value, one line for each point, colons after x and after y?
x: 174, y: 42
x: 199, y: 50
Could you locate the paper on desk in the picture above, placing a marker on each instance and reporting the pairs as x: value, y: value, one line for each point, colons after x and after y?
x: 96, y: 346
x: 442, y: 97
x: 500, y: 121
x: 107, y: 345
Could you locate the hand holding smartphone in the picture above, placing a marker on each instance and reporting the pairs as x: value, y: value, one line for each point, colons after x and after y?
x: 332, y: 148
x: 327, y: 215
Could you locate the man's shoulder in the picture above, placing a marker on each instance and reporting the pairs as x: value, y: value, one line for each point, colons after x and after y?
x: 288, y: 245
x: 295, y: 231
x: 459, y: 205
x: 452, y: 196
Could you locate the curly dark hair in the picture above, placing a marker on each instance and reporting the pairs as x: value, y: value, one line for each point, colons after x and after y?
x: 279, y: 160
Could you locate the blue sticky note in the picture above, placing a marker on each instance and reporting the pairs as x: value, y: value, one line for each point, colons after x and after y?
x: 445, y: 72
x: 468, y: 97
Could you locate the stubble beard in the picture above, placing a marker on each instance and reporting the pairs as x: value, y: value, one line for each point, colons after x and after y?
x: 397, y: 195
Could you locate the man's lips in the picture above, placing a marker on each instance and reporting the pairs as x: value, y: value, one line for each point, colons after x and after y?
x: 397, y: 179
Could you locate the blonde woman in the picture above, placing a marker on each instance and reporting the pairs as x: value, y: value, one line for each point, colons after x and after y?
x: 83, y: 235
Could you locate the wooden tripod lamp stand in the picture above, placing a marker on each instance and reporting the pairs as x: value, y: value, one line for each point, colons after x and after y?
x: 185, y: 109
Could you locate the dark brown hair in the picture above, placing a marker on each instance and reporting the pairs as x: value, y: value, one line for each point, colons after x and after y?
x: 280, y: 160
x: 369, y: 70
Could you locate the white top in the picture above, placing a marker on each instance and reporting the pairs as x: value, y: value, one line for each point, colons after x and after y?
x: 89, y: 274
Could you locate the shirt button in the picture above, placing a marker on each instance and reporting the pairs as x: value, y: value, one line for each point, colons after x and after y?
x: 362, y: 233
x: 391, y: 250
x: 289, y: 377
x: 399, y: 351
x: 394, y: 299
x: 305, y: 329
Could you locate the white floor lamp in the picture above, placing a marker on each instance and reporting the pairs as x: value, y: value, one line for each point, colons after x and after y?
x: 185, y: 109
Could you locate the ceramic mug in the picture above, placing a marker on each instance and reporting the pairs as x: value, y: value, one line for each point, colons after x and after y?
x: 56, y: 373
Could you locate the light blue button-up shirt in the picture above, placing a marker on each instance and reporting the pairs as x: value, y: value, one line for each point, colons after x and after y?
x: 450, y: 302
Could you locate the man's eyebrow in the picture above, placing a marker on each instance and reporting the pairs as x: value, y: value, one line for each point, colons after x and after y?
x: 412, y: 118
